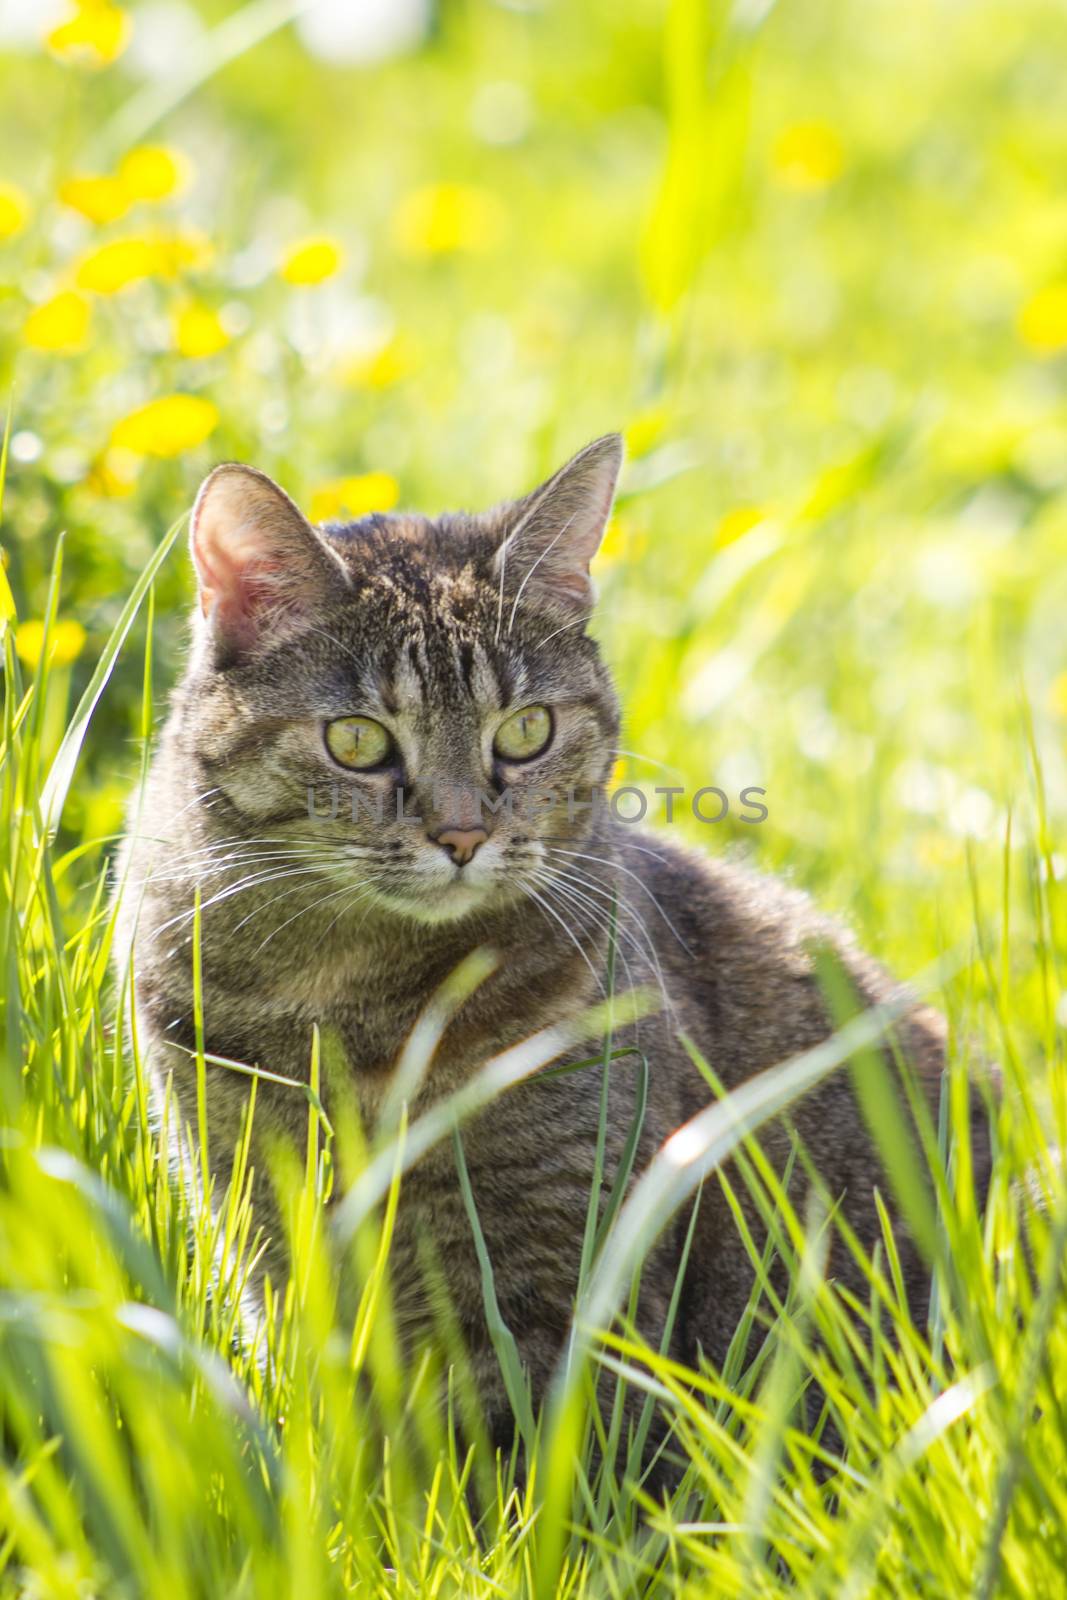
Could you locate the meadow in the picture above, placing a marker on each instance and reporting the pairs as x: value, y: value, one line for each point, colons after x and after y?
x: 811, y: 258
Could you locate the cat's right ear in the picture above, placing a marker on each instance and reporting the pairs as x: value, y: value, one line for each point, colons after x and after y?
x: 260, y: 565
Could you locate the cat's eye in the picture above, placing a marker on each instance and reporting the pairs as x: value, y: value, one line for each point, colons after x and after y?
x: 524, y: 735
x: 358, y: 742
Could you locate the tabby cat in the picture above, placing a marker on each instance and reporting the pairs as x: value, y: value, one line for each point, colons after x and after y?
x: 428, y: 666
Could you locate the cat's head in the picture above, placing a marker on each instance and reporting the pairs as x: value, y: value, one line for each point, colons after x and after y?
x: 444, y: 660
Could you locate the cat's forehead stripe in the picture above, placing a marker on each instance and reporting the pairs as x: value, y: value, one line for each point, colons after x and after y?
x: 437, y: 666
x: 409, y: 680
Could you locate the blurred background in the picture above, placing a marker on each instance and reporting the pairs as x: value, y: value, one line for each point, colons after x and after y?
x: 811, y: 257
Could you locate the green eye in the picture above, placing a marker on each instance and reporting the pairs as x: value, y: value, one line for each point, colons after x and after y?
x: 358, y: 742
x: 524, y: 735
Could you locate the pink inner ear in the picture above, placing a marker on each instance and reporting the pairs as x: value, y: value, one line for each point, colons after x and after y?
x: 225, y: 570
x: 250, y: 593
x: 238, y: 594
x: 256, y: 557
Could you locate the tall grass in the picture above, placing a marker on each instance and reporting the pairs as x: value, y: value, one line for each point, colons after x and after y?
x: 152, y: 1445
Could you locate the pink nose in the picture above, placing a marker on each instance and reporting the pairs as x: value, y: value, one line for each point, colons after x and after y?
x: 462, y: 843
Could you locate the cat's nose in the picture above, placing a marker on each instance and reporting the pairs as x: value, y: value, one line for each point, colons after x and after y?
x: 461, y: 843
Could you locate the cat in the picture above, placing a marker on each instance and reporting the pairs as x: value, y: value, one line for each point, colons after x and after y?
x: 439, y: 660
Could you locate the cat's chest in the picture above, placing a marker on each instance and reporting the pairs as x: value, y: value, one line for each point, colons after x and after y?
x: 369, y: 1006
x: 366, y: 1014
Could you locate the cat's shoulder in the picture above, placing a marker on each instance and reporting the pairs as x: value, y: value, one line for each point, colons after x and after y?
x: 719, y: 919
x: 726, y: 888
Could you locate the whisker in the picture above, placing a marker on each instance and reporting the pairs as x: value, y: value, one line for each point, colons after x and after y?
x: 644, y: 850
x: 256, y: 880
x: 337, y: 643
x: 635, y: 755
x: 237, y: 842
x: 532, y: 569
x: 620, y: 930
x: 512, y: 536
x: 357, y: 890
x: 211, y: 858
x: 527, y: 888
x: 364, y: 892
x: 219, y: 863
x: 618, y: 900
x: 590, y: 913
x: 574, y: 622
x: 216, y: 788
x: 257, y: 909
x: 201, y: 872
x: 618, y: 867
x: 582, y: 883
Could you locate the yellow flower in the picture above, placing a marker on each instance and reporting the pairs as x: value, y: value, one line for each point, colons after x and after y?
x: 113, y: 474
x: 311, y: 261
x: 113, y: 266
x: 381, y: 368
x: 808, y: 155
x: 167, y: 426
x: 354, y: 497
x: 147, y: 173
x: 199, y: 332
x: 100, y: 199
x: 177, y: 251
x: 614, y: 543
x: 646, y: 430
x: 60, y: 324
x: 94, y: 35
x: 7, y: 599
x: 1042, y: 320
x: 736, y: 522
x: 152, y: 172
x: 14, y: 209
x: 624, y: 541
x: 447, y: 217
x: 64, y: 645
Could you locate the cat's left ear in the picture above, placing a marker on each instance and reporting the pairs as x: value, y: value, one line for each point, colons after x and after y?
x: 555, y: 530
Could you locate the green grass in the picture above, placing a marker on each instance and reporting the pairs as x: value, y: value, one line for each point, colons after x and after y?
x: 811, y: 257
x: 150, y: 1449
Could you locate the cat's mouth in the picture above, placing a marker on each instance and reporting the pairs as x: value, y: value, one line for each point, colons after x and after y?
x: 428, y: 887
x: 438, y: 902
x: 459, y: 898
x: 442, y: 891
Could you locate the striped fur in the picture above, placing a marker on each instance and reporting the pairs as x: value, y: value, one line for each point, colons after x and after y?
x: 438, y: 628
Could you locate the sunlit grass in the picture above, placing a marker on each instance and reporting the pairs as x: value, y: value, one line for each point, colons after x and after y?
x: 154, y: 1439
x: 810, y: 257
